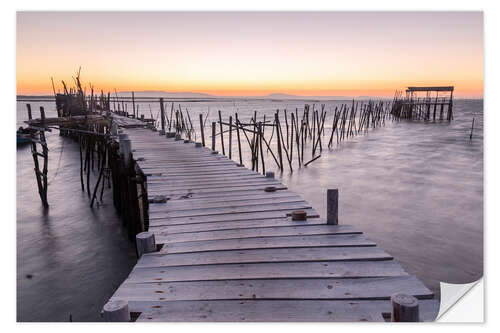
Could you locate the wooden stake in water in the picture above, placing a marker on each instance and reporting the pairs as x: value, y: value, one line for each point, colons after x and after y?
x: 230, y: 137
x: 472, y: 128
x: 238, y: 137
x: 332, y: 206
x: 202, y: 130
x: 213, y: 135
x: 162, y: 115
x: 280, y: 155
x: 261, y: 150
x: 221, y: 134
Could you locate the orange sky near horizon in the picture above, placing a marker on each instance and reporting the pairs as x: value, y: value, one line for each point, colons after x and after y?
x: 252, y: 53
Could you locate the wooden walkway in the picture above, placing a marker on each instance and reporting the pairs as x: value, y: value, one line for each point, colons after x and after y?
x: 232, y: 253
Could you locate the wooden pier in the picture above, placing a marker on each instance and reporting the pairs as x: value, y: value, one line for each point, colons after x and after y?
x: 223, y: 246
x: 217, y: 241
x: 428, y: 107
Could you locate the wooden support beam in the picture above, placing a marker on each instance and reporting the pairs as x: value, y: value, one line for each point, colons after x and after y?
x: 332, y: 206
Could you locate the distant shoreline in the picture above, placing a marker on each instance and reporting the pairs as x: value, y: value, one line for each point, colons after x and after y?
x: 50, y: 98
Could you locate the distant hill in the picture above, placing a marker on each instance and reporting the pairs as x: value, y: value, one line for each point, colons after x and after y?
x: 281, y: 95
x: 159, y: 93
x: 289, y: 96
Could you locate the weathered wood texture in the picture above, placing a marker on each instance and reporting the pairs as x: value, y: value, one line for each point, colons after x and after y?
x: 231, y: 252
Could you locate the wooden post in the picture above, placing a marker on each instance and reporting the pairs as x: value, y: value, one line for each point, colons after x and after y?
x: 404, y: 308
x: 450, y: 107
x: 145, y: 243
x: 259, y: 138
x: 213, y: 135
x: 472, y: 128
x: 80, y: 142
x: 332, y: 206
x: 221, y: 134
x: 41, y: 182
x: 45, y: 152
x: 28, y: 106
x: 230, y: 137
x: 162, y: 119
x: 114, y: 129
x: 126, y: 149
x: 116, y: 311
x: 280, y: 155
x: 238, y: 137
x: 133, y: 106
x: 202, y: 131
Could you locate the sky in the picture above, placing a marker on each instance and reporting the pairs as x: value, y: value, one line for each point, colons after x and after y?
x: 252, y: 53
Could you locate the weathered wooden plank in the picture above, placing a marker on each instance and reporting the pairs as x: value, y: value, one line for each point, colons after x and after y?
x: 236, y: 195
x: 311, y: 213
x: 217, y: 181
x: 230, y: 224
x: 268, y: 243
x: 230, y: 209
x: 210, y: 191
x: 224, y: 202
x: 158, y: 186
x: 203, y: 178
x: 263, y: 256
x: 172, y: 173
x: 255, y: 232
x: 201, y: 205
x: 156, y: 157
x: 232, y: 171
x: 380, y: 287
x: 273, y: 311
x: 197, y: 168
x: 157, y: 160
x: 206, y: 177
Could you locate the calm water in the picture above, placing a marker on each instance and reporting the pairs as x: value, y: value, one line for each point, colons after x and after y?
x: 414, y: 188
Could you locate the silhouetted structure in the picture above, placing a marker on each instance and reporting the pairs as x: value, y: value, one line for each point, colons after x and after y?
x: 414, y: 106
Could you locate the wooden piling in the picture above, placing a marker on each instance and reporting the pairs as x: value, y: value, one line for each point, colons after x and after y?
x: 116, y: 311
x: 471, y: 129
x: 332, y: 206
x: 30, y: 116
x: 230, y: 137
x: 202, y: 130
x: 238, y: 137
x: 404, y: 308
x: 260, y: 136
x: 162, y: 117
x: 280, y: 154
x: 80, y: 143
x: 145, y: 243
x: 221, y: 134
x: 213, y: 135
x: 40, y: 178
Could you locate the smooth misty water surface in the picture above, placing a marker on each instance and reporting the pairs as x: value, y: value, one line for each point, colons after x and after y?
x: 415, y: 188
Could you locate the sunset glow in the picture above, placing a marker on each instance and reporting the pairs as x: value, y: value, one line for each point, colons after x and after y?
x: 252, y: 53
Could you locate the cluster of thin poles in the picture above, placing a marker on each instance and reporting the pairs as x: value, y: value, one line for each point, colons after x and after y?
x: 290, y: 132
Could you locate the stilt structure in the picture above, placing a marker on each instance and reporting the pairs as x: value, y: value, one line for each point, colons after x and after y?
x: 421, y: 103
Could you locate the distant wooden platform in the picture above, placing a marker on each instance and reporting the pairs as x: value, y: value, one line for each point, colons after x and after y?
x: 230, y: 251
